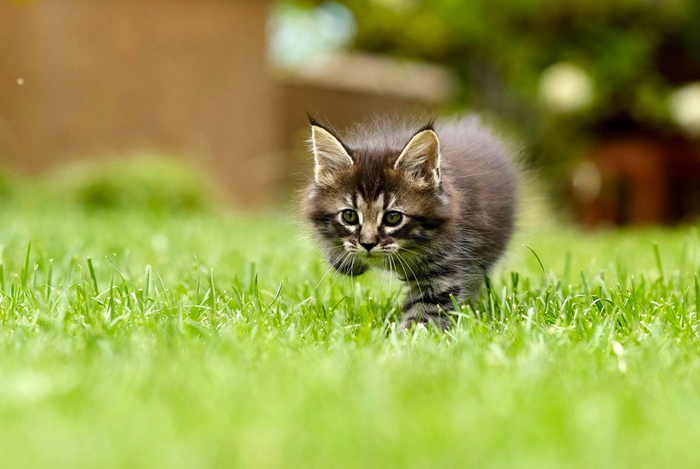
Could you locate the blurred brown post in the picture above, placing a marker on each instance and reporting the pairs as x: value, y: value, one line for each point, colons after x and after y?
x: 644, y: 180
x: 84, y: 79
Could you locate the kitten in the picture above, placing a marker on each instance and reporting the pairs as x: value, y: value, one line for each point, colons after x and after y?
x: 433, y: 203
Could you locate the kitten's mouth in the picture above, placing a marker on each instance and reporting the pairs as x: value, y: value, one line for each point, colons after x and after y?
x: 368, y: 255
x: 373, y: 254
x: 376, y: 259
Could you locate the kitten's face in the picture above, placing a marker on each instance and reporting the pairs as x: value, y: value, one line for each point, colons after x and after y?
x: 370, y: 226
x: 367, y: 206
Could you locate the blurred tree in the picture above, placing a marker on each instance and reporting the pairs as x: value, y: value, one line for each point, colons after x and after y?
x: 562, y: 71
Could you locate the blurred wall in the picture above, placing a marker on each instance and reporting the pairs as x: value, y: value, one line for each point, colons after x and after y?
x: 85, y: 78
x: 89, y: 79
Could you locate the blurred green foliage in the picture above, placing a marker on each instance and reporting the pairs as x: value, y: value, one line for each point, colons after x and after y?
x: 7, y: 186
x: 154, y: 184
x: 141, y: 183
x: 635, y: 52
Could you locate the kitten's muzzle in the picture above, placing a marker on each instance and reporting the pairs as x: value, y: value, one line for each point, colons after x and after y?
x: 368, y: 246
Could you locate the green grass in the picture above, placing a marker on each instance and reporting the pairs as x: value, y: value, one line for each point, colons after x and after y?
x: 129, y: 339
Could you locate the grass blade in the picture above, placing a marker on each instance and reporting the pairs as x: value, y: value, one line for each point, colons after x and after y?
x: 25, y: 271
x: 91, y: 268
x: 536, y: 257
x: 659, y: 266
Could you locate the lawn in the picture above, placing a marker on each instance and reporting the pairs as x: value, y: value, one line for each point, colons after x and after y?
x: 130, y: 338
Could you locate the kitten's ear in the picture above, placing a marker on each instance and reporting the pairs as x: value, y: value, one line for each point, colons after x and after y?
x: 421, y: 158
x: 329, y: 153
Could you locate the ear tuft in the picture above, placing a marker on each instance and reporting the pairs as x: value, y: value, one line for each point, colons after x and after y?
x: 312, y: 120
x: 330, y: 154
x: 421, y: 158
x: 430, y: 125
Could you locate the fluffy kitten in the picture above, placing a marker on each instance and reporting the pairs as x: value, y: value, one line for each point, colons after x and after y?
x: 433, y: 203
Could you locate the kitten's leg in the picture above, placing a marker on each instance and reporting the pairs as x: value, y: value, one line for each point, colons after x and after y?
x: 473, y: 281
x: 431, y: 303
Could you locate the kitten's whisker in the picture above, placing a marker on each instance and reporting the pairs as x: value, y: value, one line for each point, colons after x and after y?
x: 332, y: 280
x: 409, y: 250
x: 390, y: 258
x: 349, y: 278
x: 391, y: 266
x: 410, y: 290
x: 328, y: 271
x: 383, y: 276
x: 415, y: 277
x: 483, y: 173
x: 340, y: 267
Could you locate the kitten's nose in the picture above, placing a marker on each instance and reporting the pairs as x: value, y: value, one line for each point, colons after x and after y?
x: 368, y: 246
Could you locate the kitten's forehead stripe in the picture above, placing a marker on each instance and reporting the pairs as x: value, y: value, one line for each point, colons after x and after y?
x: 391, y: 201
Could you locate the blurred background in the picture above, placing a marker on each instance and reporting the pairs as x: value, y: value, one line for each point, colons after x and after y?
x: 174, y: 103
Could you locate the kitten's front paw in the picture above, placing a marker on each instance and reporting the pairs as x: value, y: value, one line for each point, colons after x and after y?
x: 442, y: 321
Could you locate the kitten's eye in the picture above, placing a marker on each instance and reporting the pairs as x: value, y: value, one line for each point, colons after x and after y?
x: 392, y: 218
x: 350, y: 217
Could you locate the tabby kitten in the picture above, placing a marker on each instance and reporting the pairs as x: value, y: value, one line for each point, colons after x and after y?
x: 433, y: 203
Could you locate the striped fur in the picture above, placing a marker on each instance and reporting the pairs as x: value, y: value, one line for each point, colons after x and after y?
x: 452, y: 184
